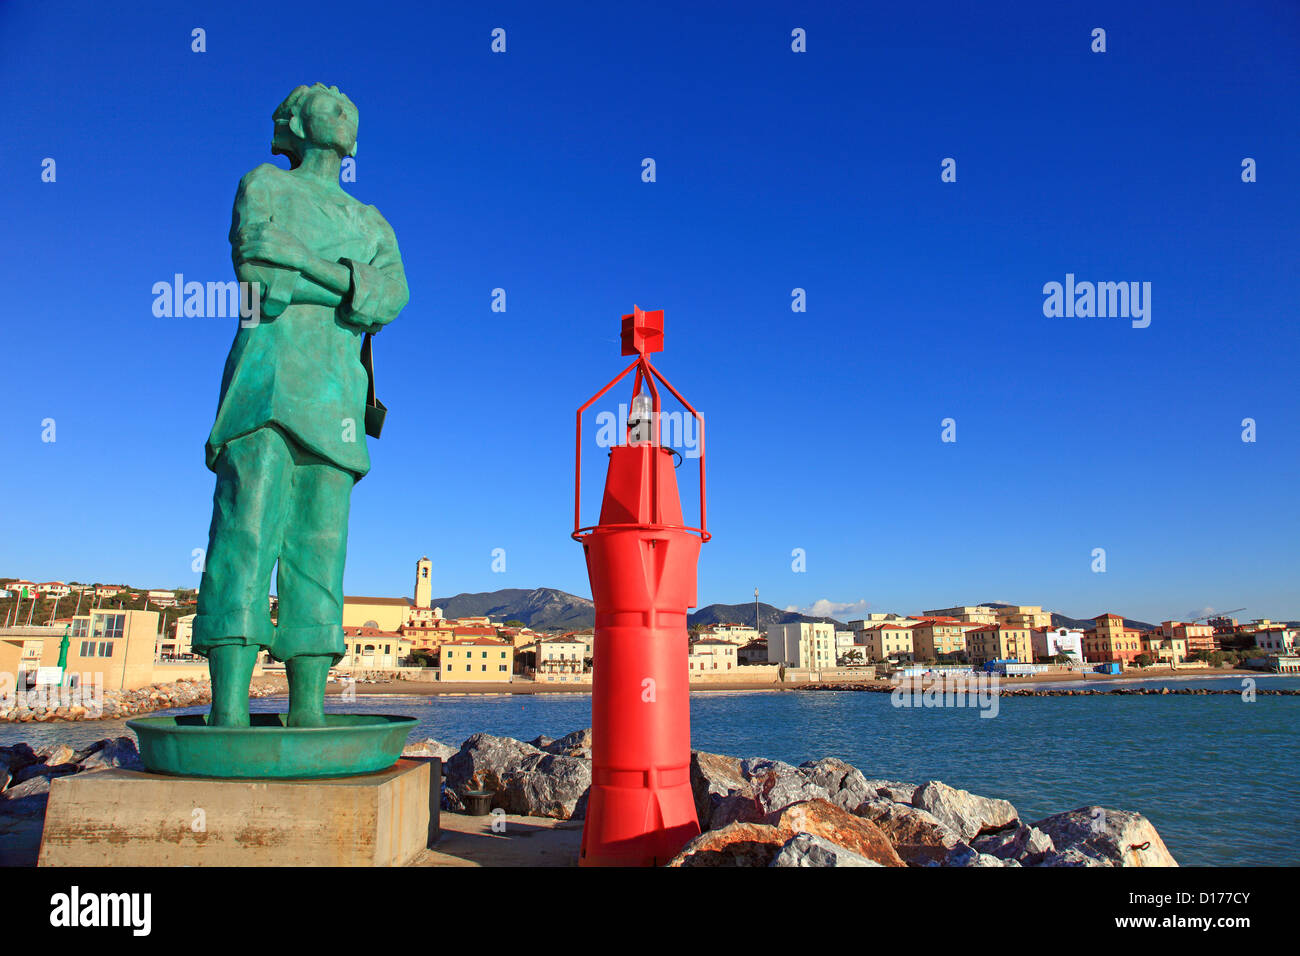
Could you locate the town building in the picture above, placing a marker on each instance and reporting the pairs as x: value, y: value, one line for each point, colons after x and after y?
x: 735, y: 633
x: 1049, y: 642
x: 560, y: 659
x: 1109, y: 641
x: 999, y: 642
x: 711, y: 656
x: 937, y: 638
x: 1198, y: 637
x: 1164, y: 650
x: 477, y: 660
x: 1024, y: 615
x: 971, y: 614
x: 802, y: 644
x: 114, y: 647
x: 1277, y: 639
x: 53, y: 589
x: 368, y: 648
x: 181, y: 642
x: 886, y: 642
x: 161, y: 598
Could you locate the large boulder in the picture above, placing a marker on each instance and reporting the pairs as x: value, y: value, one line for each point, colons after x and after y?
x: 1025, y: 844
x: 967, y: 813
x: 576, y: 744
x: 114, y: 752
x: 1071, y: 856
x: 807, y: 849
x: 429, y: 748
x: 777, y: 785
x: 1113, y: 837
x: 18, y: 756
x: 892, y: 790
x: 919, y: 838
x: 736, y: 844
x: 484, y: 762
x: 722, y: 792
x: 963, y: 854
x: 822, y: 818
x: 547, y: 785
x: 845, y: 784
x: 52, y: 755
x: 31, y: 787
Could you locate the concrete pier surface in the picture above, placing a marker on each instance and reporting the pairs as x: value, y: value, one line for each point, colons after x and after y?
x: 523, y: 841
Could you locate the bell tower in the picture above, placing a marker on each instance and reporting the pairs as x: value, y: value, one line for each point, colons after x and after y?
x: 423, y: 583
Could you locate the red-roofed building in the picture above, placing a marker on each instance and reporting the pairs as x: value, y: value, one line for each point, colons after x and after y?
x: 1110, y: 641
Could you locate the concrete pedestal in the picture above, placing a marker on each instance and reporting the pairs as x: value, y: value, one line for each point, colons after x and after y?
x: 126, y: 818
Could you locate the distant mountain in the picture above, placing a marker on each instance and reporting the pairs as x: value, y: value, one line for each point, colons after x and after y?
x: 547, y: 609
x: 744, y: 614
x: 544, y: 609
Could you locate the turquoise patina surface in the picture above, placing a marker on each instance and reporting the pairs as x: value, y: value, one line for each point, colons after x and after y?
x: 288, y: 443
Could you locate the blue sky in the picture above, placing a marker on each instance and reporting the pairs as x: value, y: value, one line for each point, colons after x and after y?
x: 775, y: 170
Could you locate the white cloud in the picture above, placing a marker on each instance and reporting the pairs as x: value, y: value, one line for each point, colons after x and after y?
x: 842, y: 610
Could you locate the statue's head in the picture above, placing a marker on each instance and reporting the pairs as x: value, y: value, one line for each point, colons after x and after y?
x: 316, y: 115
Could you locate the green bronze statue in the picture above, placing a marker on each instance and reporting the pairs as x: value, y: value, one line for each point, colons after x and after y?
x: 289, y: 441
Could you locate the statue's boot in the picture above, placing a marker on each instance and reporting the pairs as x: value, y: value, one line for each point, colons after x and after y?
x: 308, y: 675
x: 231, y: 667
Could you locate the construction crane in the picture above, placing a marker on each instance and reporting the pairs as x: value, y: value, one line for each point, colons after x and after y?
x: 1206, y: 617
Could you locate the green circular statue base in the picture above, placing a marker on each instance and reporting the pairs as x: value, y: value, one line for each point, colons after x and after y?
x: 348, y: 744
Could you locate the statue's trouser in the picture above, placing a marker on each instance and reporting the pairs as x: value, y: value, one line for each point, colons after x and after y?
x: 274, y: 502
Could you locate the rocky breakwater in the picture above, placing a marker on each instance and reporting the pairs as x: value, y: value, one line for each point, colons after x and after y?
x: 25, y: 776
x: 760, y: 812
x: 72, y: 704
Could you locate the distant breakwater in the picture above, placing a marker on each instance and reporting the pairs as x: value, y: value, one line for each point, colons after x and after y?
x: 1069, y: 692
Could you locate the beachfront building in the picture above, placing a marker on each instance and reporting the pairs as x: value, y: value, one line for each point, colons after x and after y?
x: 181, y: 641
x: 476, y: 660
x: 560, y: 659
x: 1024, y: 615
x: 711, y: 656
x: 755, y: 652
x: 369, y: 648
x: 1109, y: 641
x: 999, y: 642
x: 1277, y: 639
x: 1051, y: 642
x: 737, y: 634
x: 1198, y: 637
x: 938, y: 638
x: 886, y: 642
x: 113, y: 647
x: 971, y: 614
x: 1164, y: 650
x: 802, y: 644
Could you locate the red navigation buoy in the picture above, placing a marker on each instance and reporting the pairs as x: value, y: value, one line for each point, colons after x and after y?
x: 641, y: 560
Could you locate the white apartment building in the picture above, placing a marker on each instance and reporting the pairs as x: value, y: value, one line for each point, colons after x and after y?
x: 802, y: 644
x: 1277, y: 639
x: 1050, y: 641
x: 737, y: 634
x: 712, y: 656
